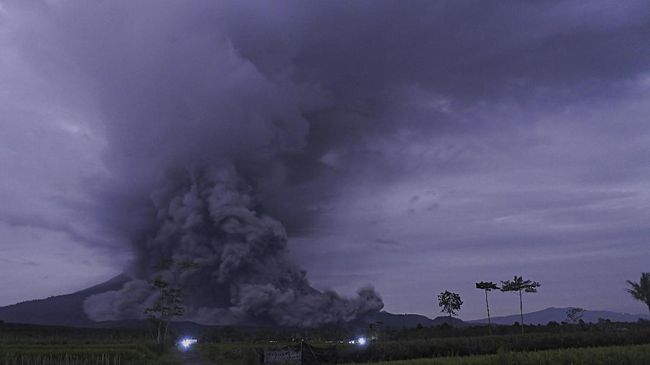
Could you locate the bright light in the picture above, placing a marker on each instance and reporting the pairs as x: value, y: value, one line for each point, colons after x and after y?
x: 187, y: 342
x: 361, y: 341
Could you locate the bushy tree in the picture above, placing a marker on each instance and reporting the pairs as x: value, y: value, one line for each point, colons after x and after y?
x: 519, y: 285
x: 641, y: 290
x: 449, y: 302
x: 487, y: 286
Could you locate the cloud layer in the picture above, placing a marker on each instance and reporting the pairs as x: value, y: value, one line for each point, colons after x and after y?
x: 397, y: 143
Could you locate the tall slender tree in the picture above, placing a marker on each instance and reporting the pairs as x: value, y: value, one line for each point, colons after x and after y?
x: 519, y: 285
x: 641, y: 290
x: 487, y: 286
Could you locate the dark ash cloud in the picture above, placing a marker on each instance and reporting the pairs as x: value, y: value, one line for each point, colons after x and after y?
x: 242, y: 273
x: 141, y: 125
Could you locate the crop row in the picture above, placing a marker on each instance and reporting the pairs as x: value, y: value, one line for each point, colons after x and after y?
x: 465, y: 346
x: 62, y: 355
x: 245, y: 353
x: 614, y: 355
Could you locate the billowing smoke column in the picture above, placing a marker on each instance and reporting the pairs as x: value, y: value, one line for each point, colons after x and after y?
x: 214, y: 115
x: 206, y: 123
x: 196, y: 136
x: 240, y: 271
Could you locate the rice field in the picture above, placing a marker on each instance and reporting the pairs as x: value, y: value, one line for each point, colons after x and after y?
x: 613, y: 355
x: 79, y: 355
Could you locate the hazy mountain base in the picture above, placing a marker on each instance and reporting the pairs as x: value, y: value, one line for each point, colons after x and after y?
x: 67, y: 310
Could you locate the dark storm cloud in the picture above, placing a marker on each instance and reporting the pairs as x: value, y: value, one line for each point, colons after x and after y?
x: 346, y: 73
x: 390, y: 67
x: 334, y: 116
x: 14, y: 219
x: 193, y: 116
x: 532, y: 187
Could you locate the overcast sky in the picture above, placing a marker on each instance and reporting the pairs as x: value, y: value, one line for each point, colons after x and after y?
x: 417, y: 146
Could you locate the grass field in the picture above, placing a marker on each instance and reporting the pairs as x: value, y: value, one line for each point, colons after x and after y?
x: 52, y: 345
x: 614, y: 347
x: 235, y: 353
x: 43, y: 345
x: 107, y: 354
x: 614, y: 355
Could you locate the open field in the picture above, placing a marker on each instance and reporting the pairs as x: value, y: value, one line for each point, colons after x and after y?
x: 115, y: 354
x: 613, y: 343
x: 247, y: 353
x: 467, y: 346
x: 614, y: 355
x: 90, y: 354
x: 610, y: 355
x: 43, y: 345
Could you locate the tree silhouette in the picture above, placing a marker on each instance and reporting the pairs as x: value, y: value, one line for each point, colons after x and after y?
x: 169, y: 303
x: 167, y: 306
x: 449, y: 302
x: 574, y: 315
x: 487, y: 286
x: 641, y: 290
x: 518, y: 284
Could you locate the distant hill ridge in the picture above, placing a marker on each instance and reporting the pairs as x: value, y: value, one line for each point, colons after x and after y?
x: 558, y: 315
x: 67, y: 310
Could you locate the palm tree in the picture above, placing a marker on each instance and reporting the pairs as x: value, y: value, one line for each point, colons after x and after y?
x: 641, y: 290
x: 487, y: 286
x: 518, y: 284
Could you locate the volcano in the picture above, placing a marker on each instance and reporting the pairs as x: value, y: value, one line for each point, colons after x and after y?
x: 67, y: 310
x: 61, y: 310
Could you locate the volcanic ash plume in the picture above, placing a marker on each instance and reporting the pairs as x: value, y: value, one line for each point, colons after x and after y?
x: 240, y: 270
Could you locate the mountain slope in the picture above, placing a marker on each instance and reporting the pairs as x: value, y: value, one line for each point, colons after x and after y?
x: 67, y: 310
x: 559, y: 314
x: 64, y: 310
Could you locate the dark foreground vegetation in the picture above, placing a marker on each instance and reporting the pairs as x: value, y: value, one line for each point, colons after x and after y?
x: 78, y: 355
x: 613, y: 355
x: 440, y: 347
x: 435, y: 342
x: 47, y: 345
x: 607, y: 342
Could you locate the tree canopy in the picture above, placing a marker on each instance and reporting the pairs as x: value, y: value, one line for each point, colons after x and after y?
x: 449, y: 302
x: 641, y: 290
x: 486, y: 285
x: 519, y: 284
